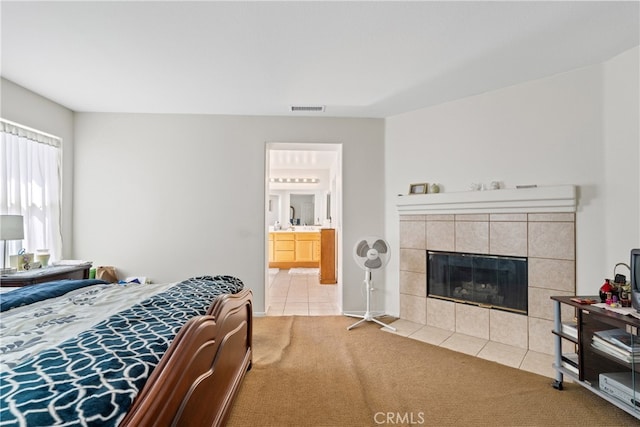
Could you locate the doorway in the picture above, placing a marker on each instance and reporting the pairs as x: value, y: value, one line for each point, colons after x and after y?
x: 303, y: 194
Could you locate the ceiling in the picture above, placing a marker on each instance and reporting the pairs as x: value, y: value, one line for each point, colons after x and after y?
x: 359, y: 59
x: 299, y: 156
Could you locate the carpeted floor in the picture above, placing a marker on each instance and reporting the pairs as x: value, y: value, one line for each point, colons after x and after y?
x: 311, y: 371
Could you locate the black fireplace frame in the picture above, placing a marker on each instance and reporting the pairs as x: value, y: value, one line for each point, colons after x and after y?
x: 478, y: 279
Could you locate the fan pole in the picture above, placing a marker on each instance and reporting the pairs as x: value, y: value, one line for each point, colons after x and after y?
x: 368, y: 316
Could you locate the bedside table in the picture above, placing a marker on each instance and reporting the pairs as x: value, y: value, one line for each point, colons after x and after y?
x: 48, y: 274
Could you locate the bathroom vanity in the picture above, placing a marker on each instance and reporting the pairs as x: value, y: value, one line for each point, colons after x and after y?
x: 307, y: 248
x: 291, y: 249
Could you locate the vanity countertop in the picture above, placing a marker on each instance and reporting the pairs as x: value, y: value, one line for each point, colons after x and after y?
x: 300, y: 229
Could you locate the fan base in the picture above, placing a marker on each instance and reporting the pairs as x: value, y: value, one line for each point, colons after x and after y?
x: 367, y: 317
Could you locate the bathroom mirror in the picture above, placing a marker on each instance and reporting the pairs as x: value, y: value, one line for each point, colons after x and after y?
x: 303, y: 208
x: 311, y: 208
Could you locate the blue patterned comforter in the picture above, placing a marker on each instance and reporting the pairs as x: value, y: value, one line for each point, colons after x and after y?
x: 92, y: 379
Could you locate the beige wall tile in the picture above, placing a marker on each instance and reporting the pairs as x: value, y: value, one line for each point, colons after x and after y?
x: 413, y: 283
x: 562, y: 217
x: 472, y: 217
x: 472, y: 320
x: 548, y: 240
x: 509, y: 328
x: 413, y: 260
x: 412, y: 217
x: 412, y: 234
x: 508, y: 217
x: 472, y: 237
x: 508, y: 238
x: 441, y: 314
x: 540, y: 336
x: 440, y: 217
x: 413, y: 309
x: 554, y: 274
x: 440, y: 236
x: 552, y: 240
x: 541, y: 305
x: 567, y: 347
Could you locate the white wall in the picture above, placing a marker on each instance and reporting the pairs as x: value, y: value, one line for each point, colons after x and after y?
x: 22, y: 106
x: 546, y: 132
x: 621, y: 158
x: 173, y: 196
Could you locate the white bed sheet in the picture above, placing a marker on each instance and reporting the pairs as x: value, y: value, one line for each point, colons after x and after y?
x: 27, y: 330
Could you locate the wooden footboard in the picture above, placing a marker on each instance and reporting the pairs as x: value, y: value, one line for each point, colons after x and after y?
x: 196, y: 380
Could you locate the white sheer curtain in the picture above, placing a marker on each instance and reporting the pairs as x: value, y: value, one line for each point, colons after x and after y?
x: 30, y: 186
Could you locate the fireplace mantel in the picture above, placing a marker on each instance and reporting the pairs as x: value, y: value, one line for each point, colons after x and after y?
x: 559, y: 198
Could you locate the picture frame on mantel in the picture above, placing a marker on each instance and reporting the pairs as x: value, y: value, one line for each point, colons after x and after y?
x: 420, y: 188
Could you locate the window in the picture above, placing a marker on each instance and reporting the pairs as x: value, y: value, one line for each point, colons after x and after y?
x: 30, y: 186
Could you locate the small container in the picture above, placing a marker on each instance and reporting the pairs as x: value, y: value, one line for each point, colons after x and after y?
x: 42, y: 256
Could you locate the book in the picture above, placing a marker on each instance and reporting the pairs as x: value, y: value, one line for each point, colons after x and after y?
x: 583, y: 300
x: 625, y: 341
x: 570, y: 329
x: 620, y: 338
x: 570, y: 362
x: 571, y: 358
x: 613, y: 350
x: 569, y: 367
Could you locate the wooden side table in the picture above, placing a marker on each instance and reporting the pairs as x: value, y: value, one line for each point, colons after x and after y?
x: 48, y: 274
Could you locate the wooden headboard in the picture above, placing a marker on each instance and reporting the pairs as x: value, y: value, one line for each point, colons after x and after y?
x: 199, y: 375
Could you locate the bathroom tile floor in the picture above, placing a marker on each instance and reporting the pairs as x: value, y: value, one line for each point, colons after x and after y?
x: 300, y: 294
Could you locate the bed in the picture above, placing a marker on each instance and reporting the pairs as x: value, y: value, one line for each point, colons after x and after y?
x: 128, y: 355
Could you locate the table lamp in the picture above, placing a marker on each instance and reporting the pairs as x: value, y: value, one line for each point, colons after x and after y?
x: 11, y: 228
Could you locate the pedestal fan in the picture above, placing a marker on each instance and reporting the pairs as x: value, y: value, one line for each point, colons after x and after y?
x: 370, y: 253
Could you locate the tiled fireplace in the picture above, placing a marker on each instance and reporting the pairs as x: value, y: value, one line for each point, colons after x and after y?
x: 533, y: 223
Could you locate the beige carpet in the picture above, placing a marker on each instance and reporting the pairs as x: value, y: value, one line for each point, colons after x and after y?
x: 311, y: 371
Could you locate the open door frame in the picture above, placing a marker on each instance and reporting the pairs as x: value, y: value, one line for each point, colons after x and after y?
x: 336, y: 206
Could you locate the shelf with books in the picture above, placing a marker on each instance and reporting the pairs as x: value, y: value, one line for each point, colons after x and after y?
x: 570, y: 363
x: 620, y: 339
x: 570, y: 329
x: 616, y: 343
x: 607, y: 356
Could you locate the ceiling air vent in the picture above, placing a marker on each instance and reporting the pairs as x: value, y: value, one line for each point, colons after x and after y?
x: 307, y: 108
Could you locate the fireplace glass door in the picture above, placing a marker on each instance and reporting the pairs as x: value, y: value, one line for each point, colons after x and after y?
x: 485, y: 280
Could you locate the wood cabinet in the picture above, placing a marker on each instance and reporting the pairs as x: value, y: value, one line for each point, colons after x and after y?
x: 328, y: 274
x: 294, y: 249
x: 284, y: 247
x: 304, y: 250
x: 271, y: 248
x: 605, y: 346
x: 317, y: 250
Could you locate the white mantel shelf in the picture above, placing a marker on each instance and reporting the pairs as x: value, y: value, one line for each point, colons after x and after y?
x: 558, y: 198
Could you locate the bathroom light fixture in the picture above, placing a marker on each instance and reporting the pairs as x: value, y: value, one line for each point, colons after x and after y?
x: 298, y: 180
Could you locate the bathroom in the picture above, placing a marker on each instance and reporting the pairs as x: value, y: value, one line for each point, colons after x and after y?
x: 302, y: 218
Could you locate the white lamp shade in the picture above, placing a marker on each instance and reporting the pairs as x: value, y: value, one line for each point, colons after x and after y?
x: 11, y: 227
